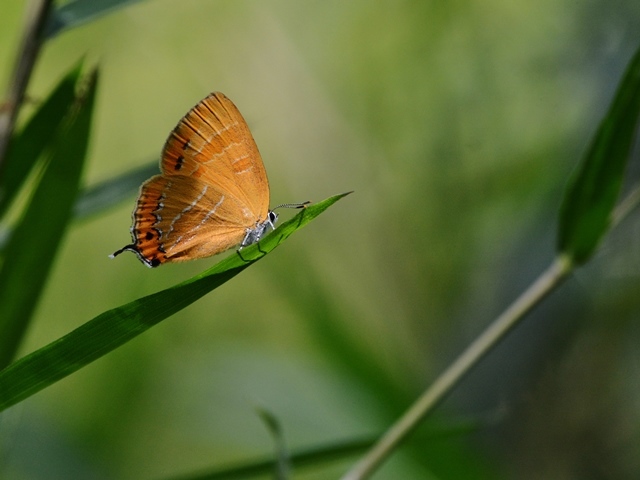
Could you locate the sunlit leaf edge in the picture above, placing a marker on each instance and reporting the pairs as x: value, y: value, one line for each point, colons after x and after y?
x: 32, y: 247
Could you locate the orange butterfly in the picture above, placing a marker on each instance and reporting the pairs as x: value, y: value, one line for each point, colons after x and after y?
x: 212, y: 194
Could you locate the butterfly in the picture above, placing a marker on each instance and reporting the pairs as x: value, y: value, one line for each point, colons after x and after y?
x: 212, y: 193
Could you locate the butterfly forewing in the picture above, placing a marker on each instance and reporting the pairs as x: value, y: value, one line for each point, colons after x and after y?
x: 213, y: 143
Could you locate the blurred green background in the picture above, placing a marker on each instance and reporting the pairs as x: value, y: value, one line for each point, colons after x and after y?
x: 457, y: 124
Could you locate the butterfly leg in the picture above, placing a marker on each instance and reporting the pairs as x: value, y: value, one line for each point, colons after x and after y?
x: 253, y: 259
x: 249, y: 238
x: 244, y: 243
x: 240, y: 255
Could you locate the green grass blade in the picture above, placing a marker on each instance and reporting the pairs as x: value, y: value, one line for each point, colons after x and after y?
x: 27, y: 146
x: 339, y: 450
x: 589, y: 199
x: 98, y: 198
x: 115, y: 327
x: 34, y: 242
x: 77, y: 12
x: 102, y: 196
x: 301, y: 459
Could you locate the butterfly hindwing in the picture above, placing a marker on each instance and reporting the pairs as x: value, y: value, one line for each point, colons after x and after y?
x: 196, y: 221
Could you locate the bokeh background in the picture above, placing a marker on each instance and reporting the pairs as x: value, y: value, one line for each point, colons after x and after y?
x: 457, y: 124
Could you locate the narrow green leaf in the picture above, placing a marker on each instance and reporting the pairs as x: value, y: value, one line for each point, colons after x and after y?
x: 315, y: 456
x: 27, y: 146
x: 77, y: 12
x: 589, y: 199
x: 115, y: 327
x: 98, y: 198
x: 35, y: 240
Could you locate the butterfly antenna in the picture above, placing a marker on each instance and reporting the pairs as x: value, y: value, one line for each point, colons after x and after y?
x: 293, y: 205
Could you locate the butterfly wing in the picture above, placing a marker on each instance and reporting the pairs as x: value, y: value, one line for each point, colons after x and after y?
x: 213, y: 143
x: 180, y: 218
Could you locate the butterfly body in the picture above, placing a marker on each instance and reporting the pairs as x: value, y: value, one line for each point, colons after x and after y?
x: 212, y: 193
